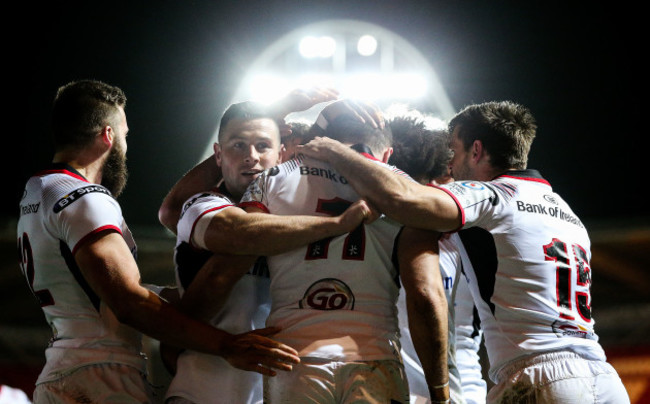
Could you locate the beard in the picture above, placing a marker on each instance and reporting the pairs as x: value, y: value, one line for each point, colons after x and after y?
x: 114, y: 172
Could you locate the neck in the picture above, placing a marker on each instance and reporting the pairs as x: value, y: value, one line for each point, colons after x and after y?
x: 92, y: 171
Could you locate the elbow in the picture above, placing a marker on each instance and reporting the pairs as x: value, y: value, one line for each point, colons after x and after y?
x: 168, y: 218
x: 428, y: 299
x: 162, y: 216
x: 132, y: 308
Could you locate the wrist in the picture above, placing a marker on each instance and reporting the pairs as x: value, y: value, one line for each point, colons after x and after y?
x: 440, y: 393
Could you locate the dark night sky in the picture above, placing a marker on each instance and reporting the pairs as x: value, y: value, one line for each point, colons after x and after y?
x: 576, y: 66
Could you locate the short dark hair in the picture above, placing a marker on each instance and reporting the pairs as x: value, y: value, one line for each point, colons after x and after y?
x: 246, y: 110
x: 420, y: 151
x: 348, y: 129
x: 505, y: 128
x: 81, y: 109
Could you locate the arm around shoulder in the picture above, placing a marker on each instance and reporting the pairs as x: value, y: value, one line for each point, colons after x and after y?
x: 202, y: 177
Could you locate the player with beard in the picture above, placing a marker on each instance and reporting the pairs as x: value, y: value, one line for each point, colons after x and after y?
x: 77, y: 254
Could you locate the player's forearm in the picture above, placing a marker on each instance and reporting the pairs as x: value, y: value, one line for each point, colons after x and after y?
x: 264, y: 234
x: 202, y: 177
x: 398, y: 197
x: 426, y: 305
x: 210, y: 288
x: 154, y: 317
x: 428, y: 327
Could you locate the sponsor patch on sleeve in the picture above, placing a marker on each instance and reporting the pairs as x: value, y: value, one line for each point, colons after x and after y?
x: 469, y: 193
x: 75, y: 195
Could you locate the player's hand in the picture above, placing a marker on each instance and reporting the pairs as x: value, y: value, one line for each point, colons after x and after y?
x: 360, y: 212
x: 321, y: 148
x: 303, y: 99
x: 365, y: 112
x: 255, y: 352
x: 299, y: 100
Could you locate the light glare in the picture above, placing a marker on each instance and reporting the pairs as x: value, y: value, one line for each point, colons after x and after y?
x: 268, y: 88
x: 367, y: 45
x: 311, y: 47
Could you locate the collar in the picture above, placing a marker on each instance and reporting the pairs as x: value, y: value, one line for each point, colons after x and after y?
x: 364, y: 150
x: 526, y: 175
x: 62, y: 168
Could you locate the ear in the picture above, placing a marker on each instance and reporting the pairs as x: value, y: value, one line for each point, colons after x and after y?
x: 386, y: 156
x: 217, y: 153
x: 282, y: 154
x: 478, y: 152
x: 108, y: 136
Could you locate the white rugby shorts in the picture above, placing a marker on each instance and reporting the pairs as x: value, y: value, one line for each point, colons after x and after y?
x: 558, y: 377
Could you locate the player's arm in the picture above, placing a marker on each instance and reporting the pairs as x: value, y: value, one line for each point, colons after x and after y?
x: 211, y: 286
x: 234, y: 231
x: 301, y: 100
x: 426, y: 306
x: 207, y: 294
x: 396, y: 196
x: 202, y: 177
x: 109, y: 268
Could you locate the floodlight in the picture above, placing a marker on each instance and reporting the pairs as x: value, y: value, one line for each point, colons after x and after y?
x: 311, y: 47
x: 367, y: 45
x: 266, y: 88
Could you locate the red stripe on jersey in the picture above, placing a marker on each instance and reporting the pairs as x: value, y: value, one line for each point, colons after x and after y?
x: 97, y: 230
x: 205, y: 213
x: 61, y: 171
x: 254, y: 204
x: 369, y: 156
x: 460, y: 208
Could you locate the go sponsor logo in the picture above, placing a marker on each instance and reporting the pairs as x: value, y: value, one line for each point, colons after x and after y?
x: 328, y: 294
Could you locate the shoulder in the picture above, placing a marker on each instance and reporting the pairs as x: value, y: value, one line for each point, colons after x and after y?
x: 468, y: 193
x: 71, y: 197
x: 204, y: 201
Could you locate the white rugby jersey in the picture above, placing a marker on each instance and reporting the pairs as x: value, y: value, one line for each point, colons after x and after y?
x: 58, y: 210
x: 199, y: 375
x: 450, y: 272
x: 335, y: 298
x: 531, y: 277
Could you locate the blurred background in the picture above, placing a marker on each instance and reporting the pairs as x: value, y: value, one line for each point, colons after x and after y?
x: 181, y: 63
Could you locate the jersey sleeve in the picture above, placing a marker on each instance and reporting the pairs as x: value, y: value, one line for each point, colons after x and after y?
x: 198, y: 208
x: 474, y: 199
x: 86, y: 211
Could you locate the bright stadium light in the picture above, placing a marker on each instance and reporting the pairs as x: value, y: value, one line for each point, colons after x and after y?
x: 367, y: 45
x: 376, y: 86
x: 406, y: 85
x: 311, y: 47
x: 266, y: 88
x: 404, y: 110
x: 309, y: 80
x: 330, y: 54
